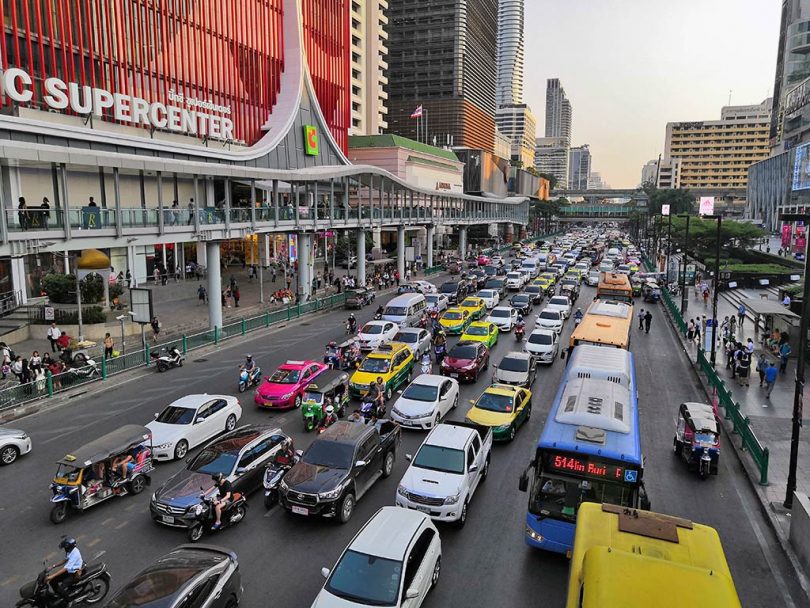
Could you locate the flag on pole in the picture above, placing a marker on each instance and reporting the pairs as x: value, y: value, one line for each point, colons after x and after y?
x: 417, y: 113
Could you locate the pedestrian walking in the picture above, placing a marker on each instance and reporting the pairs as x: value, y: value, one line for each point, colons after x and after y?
x: 190, y: 212
x: 46, y: 212
x: 647, y: 321
x: 202, y: 294
x: 749, y: 347
x: 770, y: 379
x: 641, y: 319
x: 175, y: 213
x: 54, y: 333
x: 762, y: 366
x: 164, y: 277
x: 108, y: 346
x: 236, y: 295
x: 784, y: 355
x: 156, y: 327
x: 697, y: 332
x: 273, y: 274
x: 741, y: 315
x: 743, y: 368
x: 156, y: 275
x: 690, y: 330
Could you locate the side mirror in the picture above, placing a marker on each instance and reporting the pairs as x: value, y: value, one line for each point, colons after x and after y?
x: 523, y: 484
x: 325, y: 572
x: 360, y: 463
x: 241, y: 470
x: 408, y: 457
x: 472, y: 401
x: 473, y: 468
x: 157, y: 414
x: 299, y: 453
x: 199, y: 420
x: 412, y: 593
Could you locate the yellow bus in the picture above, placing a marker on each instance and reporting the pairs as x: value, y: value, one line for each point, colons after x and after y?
x: 637, y: 559
x: 615, y: 286
x: 606, y: 323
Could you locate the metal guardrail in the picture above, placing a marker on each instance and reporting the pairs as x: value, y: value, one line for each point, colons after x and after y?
x: 51, y: 384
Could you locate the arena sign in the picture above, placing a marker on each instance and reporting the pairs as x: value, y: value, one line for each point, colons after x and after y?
x: 82, y: 99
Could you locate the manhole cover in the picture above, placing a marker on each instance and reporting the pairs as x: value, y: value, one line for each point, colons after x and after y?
x: 200, y: 360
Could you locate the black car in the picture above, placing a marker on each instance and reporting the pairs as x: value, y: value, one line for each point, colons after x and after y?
x: 522, y: 302
x: 339, y: 467
x: 498, y: 285
x: 455, y: 291
x: 188, y: 576
x: 359, y: 297
x: 239, y: 455
x: 477, y: 278
x: 535, y: 292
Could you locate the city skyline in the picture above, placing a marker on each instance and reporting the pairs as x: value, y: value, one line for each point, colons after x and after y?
x: 603, y: 71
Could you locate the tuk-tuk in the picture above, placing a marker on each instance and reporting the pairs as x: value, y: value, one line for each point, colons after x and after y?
x: 454, y: 267
x: 331, y: 387
x: 636, y: 284
x: 339, y: 355
x: 697, y: 438
x: 651, y: 291
x: 116, y: 464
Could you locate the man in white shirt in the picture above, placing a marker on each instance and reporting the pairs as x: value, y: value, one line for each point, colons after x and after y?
x: 54, y: 333
x: 68, y: 570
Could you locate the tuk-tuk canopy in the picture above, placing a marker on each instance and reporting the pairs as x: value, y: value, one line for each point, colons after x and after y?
x: 699, y: 416
x: 327, y: 380
x: 107, y: 446
x: 346, y: 343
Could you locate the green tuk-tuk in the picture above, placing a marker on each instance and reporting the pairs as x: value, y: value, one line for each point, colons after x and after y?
x: 330, y: 387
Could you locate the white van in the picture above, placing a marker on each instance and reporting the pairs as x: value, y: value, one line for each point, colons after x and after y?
x: 532, y: 265
x: 542, y: 260
x: 405, y: 310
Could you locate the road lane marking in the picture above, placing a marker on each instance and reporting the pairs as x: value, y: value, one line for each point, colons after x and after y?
x: 108, y: 521
x: 9, y: 580
x: 93, y: 542
x: 122, y: 524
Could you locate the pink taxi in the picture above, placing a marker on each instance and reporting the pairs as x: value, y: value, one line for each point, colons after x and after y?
x: 483, y: 259
x: 283, y: 389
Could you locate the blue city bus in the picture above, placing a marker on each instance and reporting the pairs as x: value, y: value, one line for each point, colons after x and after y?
x: 589, y: 450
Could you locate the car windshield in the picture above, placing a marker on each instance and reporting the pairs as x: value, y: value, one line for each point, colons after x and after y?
x: 533, y: 289
x: 463, y: 351
x: 372, y: 329
x: 66, y: 471
x: 397, y: 311
x: 559, y: 301
x: 149, y: 588
x: 407, y: 337
x: 365, y: 579
x: 485, y: 294
x: 514, y: 364
x: 176, y: 415
x: 329, y: 454
x: 452, y: 316
x: 560, y: 497
x: 421, y: 392
x: 438, y: 458
x: 212, y: 460
x: 522, y: 298
x: 495, y: 283
x: 470, y: 303
x: 501, y: 313
x: 313, y: 397
x: 540, y: 339
x: 432, y: 299
x: 449, y: 287
x: 285, y: 376
x: 477, y: 330
x: 495, y: 403
x: 513, y: 275
x: 375, y: 365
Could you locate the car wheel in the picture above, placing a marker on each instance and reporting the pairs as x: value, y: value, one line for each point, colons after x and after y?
x: 181, y: 449
x: 388, y: 464
x: 195, y: 533
x: 230, y: 423
x: 9, y: 454
x: 463, y: 517
x: 137, y: 484
x: 59, y: 512
x: 512, y: 433
x: 98, y: 589
x: 346, y: 508
x: 434, y: 578
x: 389, y: 392
x: 232, y: 603
x: 297, y: 401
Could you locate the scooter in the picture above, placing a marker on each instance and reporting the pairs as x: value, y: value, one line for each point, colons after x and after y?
x: 248, y: 380
x: 577, y: 320
x: 369, y: 410
x: 378, y: 316
x: 273, y: 475
x: 87, y: 370
x: 519, y: 331
x: 172, y: 358
x: 439, y: 350
x: 705, y: 465
x: 91, y: 587
x: 205, y: 515
x: 351, y: 328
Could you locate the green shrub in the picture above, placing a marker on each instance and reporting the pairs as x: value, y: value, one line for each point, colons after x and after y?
x: 92, y: 289
x: 61, y: 288
x: 756, y: 268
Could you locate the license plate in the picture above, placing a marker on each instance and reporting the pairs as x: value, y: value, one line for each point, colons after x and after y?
x: 407, y: 422
x: 300, y: 510
x: 454, y: 375
x: 167, y: 519
x: 423, y: 510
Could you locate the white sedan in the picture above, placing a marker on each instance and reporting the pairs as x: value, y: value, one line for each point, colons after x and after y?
x: 543, y: 344
x: 375, y: 333
x: 438, y: 301
x: 505, y: 317
x: 550, y: 319
x: 13, y: 443
x: 425, y: 287
x: 560, y: 303
x: 190, y: 421
x: 490, y: 297
x: 426, y: 401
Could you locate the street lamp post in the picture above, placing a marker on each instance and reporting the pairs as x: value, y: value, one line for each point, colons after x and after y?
x: 799, y: 386
x: 683, y: 280
x: 669, y: 245
x: 719, y: 219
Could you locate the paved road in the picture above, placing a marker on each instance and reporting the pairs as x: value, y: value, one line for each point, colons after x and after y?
x: 485, y: 564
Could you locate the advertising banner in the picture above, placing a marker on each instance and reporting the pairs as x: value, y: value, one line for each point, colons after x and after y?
x: 91, y: 218
x: 706, y: 205
x: 292, y: 247
x: 664, y: 209
x: 801, y: 169
x: 786, y: 235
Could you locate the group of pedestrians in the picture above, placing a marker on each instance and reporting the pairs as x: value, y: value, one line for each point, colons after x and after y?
x: 644, y: 320
x: 30, y: 369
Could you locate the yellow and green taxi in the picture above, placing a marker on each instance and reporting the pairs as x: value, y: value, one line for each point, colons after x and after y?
x: 574, y: 274
x: 455, y: 320
x: 482, y: 331
x: 633, y: 267
x: 502, y: 407
x: 544, y: 283
x: 475, y: 306
x: 392, y: 362
x: 550, y: 276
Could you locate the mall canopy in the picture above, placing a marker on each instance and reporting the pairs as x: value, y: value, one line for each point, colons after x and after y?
x: 761, y: 306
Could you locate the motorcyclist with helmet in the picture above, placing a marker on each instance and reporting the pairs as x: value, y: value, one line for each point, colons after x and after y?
x: 286, y: 455
x: 67, y: 571
x: 330, y: 418
x: 578, y: 316
x: 250, y: 367
x: 351, y: 324
x: 225, y: 495
x: 379, y: 313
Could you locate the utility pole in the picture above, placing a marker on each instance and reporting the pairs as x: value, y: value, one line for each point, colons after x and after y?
x: 683, y: 280
x: 715, y: 323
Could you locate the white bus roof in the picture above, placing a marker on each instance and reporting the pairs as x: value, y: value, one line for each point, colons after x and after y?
x: 613, y: 364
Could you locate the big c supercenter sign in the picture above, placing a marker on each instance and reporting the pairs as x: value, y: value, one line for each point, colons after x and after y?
x: 311, y: 145
x: 189, y: 116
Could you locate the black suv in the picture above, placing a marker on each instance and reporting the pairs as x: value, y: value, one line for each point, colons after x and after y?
x: 339, y: 467
x: 455, y: 291
x: 191, y: 575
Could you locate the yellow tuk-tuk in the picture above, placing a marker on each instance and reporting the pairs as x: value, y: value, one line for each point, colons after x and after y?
x: 116, y: 464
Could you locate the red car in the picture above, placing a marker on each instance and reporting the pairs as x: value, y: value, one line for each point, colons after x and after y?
x: 483, y: 260
x: 283, y: 389
x: 466, y: 360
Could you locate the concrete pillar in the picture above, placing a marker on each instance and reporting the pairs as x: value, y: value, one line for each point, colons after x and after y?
x: 510, y: 233
x: 66, y: 260
x: 304, y: 265
x: 431, y: 230
x: 202, y: 258
x: 361, y: 257
x: 214, y: 285
x: 401, y: 252
x: 462, y: 241
x: 18, y: 279
x: 376, y: 236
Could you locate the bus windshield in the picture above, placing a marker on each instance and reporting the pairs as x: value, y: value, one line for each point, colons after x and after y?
x: 559, y: 497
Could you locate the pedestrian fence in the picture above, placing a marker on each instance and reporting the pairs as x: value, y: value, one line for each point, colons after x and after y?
x: 52, y: 384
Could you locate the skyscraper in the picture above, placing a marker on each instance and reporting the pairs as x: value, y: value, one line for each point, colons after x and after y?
x: 579, y: 168
x: 510, y: 53
x: 369, y: 52
x: 559, y: 114
x: 517, y: 123
x: 551, y: 158
x: 441, y: 56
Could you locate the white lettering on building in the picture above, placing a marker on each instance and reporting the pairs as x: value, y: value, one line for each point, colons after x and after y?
x: 82, y: 99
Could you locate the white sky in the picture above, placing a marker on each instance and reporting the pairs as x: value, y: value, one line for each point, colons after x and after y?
x: 631, y: 66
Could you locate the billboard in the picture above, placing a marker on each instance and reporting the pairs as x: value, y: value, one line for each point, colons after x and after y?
x: 801, y: 168
x: 706, y: 205
x: 664, y: 209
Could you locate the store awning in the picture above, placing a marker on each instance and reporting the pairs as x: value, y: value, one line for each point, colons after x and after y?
x: 762, y: 306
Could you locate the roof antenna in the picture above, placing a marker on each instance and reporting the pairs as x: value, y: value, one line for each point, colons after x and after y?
x: 729, y: 97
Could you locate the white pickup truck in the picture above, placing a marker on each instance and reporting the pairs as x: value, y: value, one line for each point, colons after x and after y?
x: 446, y: 471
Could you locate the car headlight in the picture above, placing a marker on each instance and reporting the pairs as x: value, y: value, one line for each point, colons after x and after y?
x: 164, y: 446
x: 402, y: 490
x: 451, y: 500
x: 332, y: 494
x: 503, y: 427
x: 287, y: 395
x: 283, y: 486
x: 154, y: 497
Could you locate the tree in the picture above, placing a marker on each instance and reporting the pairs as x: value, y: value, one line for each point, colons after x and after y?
x: 703, y: 236
x: 679, y: 201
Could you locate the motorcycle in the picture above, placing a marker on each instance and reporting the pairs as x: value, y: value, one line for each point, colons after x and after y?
x: 378, y: 316
x: 87, y: 370
x: 249, y: 379
x: 439, y: 350
x: 204, y: 514
x: 577, y: 319
x: 169, y: 359
x: 371, y: 410
x: 91, y: 587
x: 326, y: 423
x: 351, y: 328
x: 273, y: 475
x: 519, y: 331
